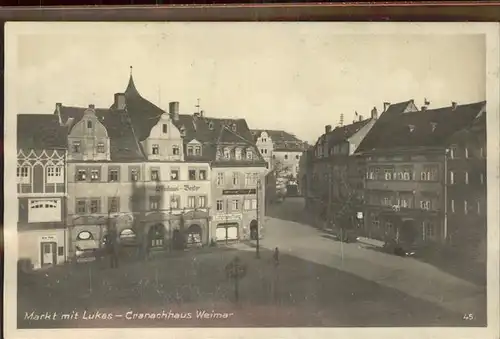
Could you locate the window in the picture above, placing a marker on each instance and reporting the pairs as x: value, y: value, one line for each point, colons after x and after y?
x: 134, y: 174
x: 466, y: 208
x: 404, y: 203
x: 175, y: 202
x: 235, y: 205
x: 406, y: 176
x: 76, y: 147
x: 44, y: 210
x: 429, y: 174
x: 452, y: 177
x: 481, y: 178
x: 84, y: 235
x: 165, y: 128
x: 237, y: 154
x: 95, y: 175
x: 226, y: 153
x: 155, y: 149
x: 452, y: 206
x: 466, y: 152
x: 81, y: 175
x: 174, y: 174
x: 95, y: 206
x: 453, y: 152
x: 481, y: 152
x: 191, y: 202
x: 388, y: 174
x: 386, y: 201
x: 220, y: 205
x: 113, y: 175
x: 254, y: 204
x: 478, y: 207
x: 54, y: 174
x: 190, y: 150
x: 286, y: 156
x: 248, y: 179
x: 202, y: 175
x: 114, y: 205
x: 197, y: 150
x: 425, y: 204
x: 236, y: 178
x: 175, y: 150
x: 100, y: 147
x: 249, y: 154
x: 23, y: 172
x: 192, y: 174
x: 220, y: 179
x: 60, y: 251
x: 247, y: 204
x: 375, y: 222
x: 429, y: 230
x: 399, y: 175
x: 466, y: 178
x: 202, y: 202
x: 154, y: 202
x: 89, y: 124
x: 81, y: 206
x: 155, y: 174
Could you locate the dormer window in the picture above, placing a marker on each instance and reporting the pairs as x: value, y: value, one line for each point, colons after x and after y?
x: 190, y: 150
x: 100, y: 147
x: 249, y: 154
x: 211, y: 125
x: 411, y: 128
x: 155, y: 149
x: 433, y: 126
x: 89, y: 124
x: 165, y: 128
x: 233, y: 127
x: 183, y: 131
x: 237, y: 154
x: 197, y: 150
x: 226, y: 153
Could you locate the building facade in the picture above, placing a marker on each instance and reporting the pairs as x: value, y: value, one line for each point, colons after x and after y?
x: 407, y: 159
x: 41, y: 191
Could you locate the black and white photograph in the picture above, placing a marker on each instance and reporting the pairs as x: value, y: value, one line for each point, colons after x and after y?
x: 204, y: 176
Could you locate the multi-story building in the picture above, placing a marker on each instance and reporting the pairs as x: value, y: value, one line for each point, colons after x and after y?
x: 335, y: 171
x: 406, y: 186
x: 281, y: 151
x: 466, y: 187
x: 41, y: 190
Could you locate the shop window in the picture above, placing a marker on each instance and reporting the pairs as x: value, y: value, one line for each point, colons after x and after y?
x: 192, y: 174
x: 60, y: 251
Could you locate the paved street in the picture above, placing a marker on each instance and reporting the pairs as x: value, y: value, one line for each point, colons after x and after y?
x: 319, y: 282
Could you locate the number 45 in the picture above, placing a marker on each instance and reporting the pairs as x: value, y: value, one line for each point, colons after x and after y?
x: 469, y: 316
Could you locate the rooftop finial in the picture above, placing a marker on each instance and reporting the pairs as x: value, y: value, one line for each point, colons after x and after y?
x: 131, y: 70
x: 198, y: 105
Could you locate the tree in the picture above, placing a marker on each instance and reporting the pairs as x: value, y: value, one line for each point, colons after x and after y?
x: 281, y: 170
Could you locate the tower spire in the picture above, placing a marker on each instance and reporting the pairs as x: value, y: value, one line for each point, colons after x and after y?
x: 198, y: 105
x: 131, y: 86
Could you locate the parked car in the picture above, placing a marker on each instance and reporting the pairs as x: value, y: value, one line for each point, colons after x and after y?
x: 399, y: 248
x: 88, y: 251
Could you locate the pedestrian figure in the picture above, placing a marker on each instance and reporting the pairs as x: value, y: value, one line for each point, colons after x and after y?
x: 276, y: 256
x: 112, y: 249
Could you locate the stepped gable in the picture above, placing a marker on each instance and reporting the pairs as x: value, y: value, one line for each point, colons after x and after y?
x: 40, y: 131
x: 282, y: 140
x: 425, y: 128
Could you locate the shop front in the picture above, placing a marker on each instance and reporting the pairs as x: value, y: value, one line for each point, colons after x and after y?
x: 42, y: 248
x: 227, y: 226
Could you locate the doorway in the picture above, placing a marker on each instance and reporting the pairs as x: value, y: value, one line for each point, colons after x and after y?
x: 253, y: 229
x: 48, y: 253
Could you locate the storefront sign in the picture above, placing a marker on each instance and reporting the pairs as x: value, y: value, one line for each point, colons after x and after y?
x: 360, y: 215
x: 185, y: 188
x: 228, y: 216
x: 48, y: 238
x: 239, y: 191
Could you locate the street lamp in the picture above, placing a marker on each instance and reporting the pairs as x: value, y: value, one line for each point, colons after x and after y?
x: 257, y: 191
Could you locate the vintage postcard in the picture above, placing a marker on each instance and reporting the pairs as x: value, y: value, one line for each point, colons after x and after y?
x: 292, y: 179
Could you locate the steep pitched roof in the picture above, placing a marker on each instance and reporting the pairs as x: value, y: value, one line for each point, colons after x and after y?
x: 40, y: 131
x: 123, y: 142
x: 342, y: 133
x: 428, y: 128
x: 282, y: 140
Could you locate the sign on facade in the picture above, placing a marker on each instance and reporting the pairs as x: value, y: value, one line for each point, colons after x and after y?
x: 228, y: 216
x: 239, y: 191
x: 48, y: 238
x: 184, y: 188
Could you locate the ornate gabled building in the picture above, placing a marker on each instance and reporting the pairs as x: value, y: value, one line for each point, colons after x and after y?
x: 41, y: 190
x: 281, y: 151
x: 408, y: 182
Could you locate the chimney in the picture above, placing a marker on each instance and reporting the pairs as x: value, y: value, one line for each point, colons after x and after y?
x: 360, y: 118
x: 58, y: 112
x: 196, y: 115
x: 386, y: 106
x: 202, y: 113
x: 374, y: 113
x: 91, y: 106
x: 174, y: 110
x: 328, y: 128
x: 453, y: 105
x: 120, y: 101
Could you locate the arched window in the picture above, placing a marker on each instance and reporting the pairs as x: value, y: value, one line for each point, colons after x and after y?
x: 237, y: 153
x: 249, y: 154
x: 127, y: 234
x: 226, y: 153
x: 84, y: 235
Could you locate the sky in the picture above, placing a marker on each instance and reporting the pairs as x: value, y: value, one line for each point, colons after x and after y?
x: 296, y: 78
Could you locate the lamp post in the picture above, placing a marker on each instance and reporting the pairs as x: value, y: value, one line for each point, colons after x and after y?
x: 257, y: 191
